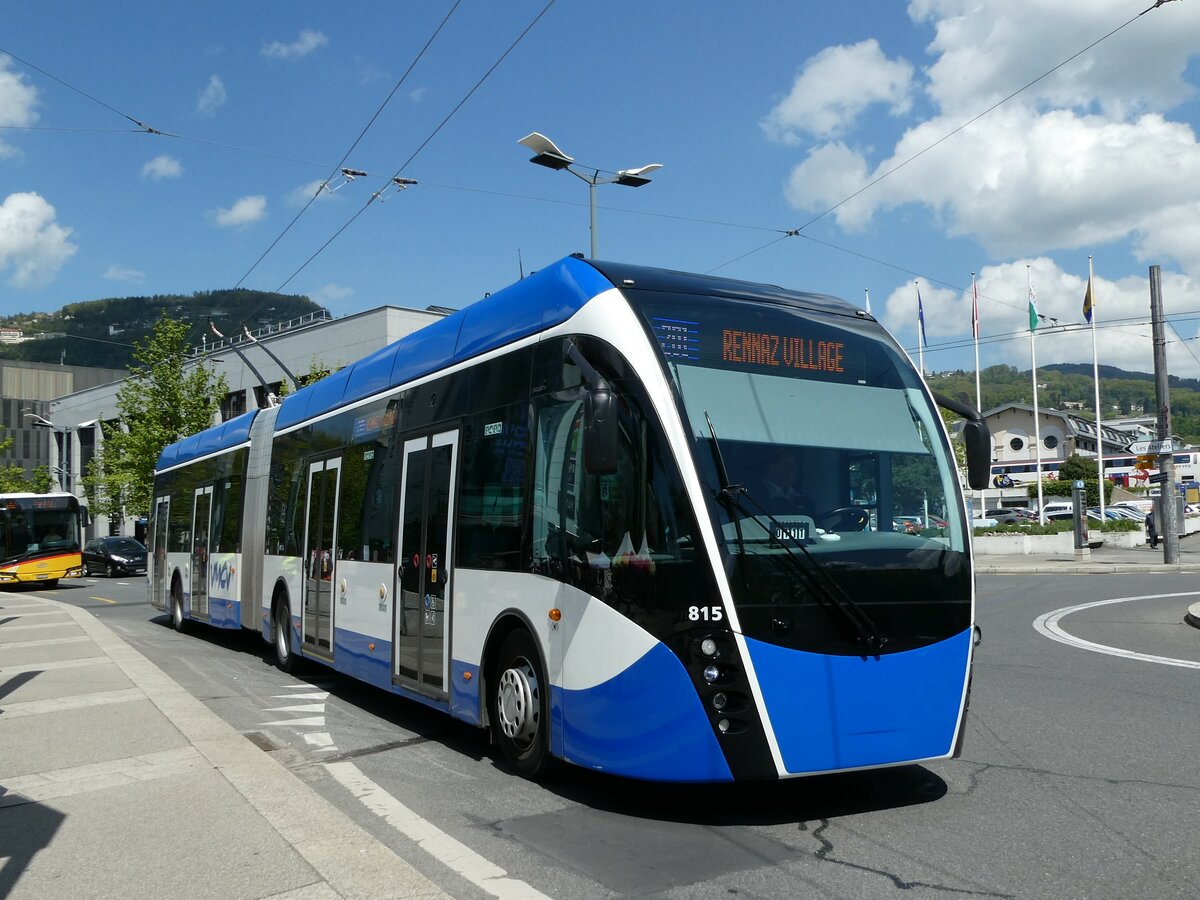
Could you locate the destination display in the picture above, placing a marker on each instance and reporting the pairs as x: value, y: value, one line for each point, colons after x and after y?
x: 782, y: 345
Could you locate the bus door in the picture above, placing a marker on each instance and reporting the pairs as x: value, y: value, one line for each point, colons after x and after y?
x: 201, y: 519
x: 421, y: 650
x: 158, y: 586
x: 320, y: 556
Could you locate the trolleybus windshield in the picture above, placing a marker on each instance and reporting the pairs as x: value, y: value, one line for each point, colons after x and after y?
x: 841, y: 464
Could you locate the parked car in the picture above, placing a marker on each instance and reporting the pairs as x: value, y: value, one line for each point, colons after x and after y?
x: 1009, y: 516
x: 114, y: 556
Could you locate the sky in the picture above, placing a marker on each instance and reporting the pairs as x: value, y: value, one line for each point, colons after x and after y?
x: 862, y: 148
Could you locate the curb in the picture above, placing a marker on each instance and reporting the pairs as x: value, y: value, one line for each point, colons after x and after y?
x: 350, y: 861
x: 1192, y: 616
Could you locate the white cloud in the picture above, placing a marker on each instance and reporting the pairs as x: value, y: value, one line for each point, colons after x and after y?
x: 308, y: 41
x: 18, y: 103
x: 31, y: 241
x: 162, y: 167
x: 986, y: 50
x: 212, y: 97
x: 244, y: 212
x: 332, y: 293
x: 1087, y: 156
x: 123, y: 273
x: 833, y: 89
x: 300, y: 195
x: 1122, y: 312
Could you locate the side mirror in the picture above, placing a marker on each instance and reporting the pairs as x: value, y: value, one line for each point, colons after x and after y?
x: 978, y: 440
x: 976, y: 437
x: 599, y: 431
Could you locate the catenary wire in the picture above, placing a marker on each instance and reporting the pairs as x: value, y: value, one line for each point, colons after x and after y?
x: 337, y: 167
x: 423, y: 144
x: 870, y: 184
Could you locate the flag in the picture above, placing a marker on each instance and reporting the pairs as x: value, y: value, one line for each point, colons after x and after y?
x: 1033, y: 313
x: 921, y: 318
x: 974, y: 310
x: 1087, y: 302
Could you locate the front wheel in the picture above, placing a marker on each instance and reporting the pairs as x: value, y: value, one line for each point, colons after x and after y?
x: 519, y: 706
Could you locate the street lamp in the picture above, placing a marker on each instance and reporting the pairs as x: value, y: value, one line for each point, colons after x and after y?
x: 62, y: 444
x: 60, y: 436
x: 547, y: 154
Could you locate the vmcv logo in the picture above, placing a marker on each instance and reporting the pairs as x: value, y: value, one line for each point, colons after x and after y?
x: 220, y: 575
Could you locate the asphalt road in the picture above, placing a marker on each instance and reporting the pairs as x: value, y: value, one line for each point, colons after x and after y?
x: 1079, y: 777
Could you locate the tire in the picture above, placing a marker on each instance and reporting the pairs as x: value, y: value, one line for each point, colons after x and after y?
x: 178, y: 621
x: 519, y: 706
x: 285, y: 656
x: 111, y: 571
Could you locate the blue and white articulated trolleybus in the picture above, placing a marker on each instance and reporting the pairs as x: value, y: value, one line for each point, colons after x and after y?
x: 651, y: 523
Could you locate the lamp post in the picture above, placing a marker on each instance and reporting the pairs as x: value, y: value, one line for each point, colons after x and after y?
x: 60, y: 444
x: 547, y: 154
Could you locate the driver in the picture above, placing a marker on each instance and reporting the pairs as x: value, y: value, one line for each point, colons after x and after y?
x: 780, y: 483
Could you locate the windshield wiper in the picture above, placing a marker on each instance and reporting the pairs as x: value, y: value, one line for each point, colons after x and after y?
x: 831, y: 596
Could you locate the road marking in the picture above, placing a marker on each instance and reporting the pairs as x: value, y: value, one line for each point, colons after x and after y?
x: 47, y: 642
x: 7, y: 671
x: 1047, y: 626
x: 75, y: 701
x: 102, y: 599
x: 452, y: 853
x: 42, y: 786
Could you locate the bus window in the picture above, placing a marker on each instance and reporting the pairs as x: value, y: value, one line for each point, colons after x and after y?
x: 625, y: 537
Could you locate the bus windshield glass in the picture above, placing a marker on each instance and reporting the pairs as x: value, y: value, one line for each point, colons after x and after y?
x: 34, y: 525
x: 845, y: 490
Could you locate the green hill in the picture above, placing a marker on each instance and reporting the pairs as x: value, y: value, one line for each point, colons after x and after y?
x: 1122, y: 393
x: 102, y: 332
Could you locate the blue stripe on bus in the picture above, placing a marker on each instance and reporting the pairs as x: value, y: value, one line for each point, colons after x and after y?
x: 544, y: 299
x: 841, y: 712
x: 220, y: 437
x: 224, y: 613
x: 648, y: 722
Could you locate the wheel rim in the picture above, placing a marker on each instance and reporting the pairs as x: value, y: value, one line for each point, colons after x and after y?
x: 518, y: 703
x: 283, y: 646
x: 176, y: 608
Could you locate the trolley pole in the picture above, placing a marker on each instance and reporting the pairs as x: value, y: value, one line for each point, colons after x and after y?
x: 1166, y: 514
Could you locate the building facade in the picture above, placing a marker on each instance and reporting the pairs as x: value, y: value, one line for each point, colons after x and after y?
x: 251, y: 374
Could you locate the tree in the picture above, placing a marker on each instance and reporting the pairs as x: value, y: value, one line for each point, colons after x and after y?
x: 165, y: 398
x: 12, y: 477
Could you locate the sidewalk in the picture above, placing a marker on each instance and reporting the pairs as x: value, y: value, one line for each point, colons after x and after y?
x: 115, y: 782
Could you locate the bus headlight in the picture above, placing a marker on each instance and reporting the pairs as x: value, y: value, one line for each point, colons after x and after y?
x: 711, y: 674
x: 708, y: 647
x: 719, y: 701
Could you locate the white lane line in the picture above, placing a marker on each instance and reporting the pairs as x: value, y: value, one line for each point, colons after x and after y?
x: 310, y: 722
x: 76, y: 701
x: 1047, y: 626
x: 452, y: 853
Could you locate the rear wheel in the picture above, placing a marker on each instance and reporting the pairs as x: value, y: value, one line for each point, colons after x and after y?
x: 284, y: 657
x: 519, y: 706
x: 178, y: 622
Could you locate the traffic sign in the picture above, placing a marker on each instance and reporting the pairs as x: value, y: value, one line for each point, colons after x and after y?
x: 1141, y: 447
x: 1158, y: 478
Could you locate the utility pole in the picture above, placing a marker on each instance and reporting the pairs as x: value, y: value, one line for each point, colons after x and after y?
x: 1166, y: 516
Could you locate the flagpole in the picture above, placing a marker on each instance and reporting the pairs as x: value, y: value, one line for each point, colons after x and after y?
x: 975, y: 332
x: 1037, y: 424
x: 1090, y: 312
x: 920, y: 331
